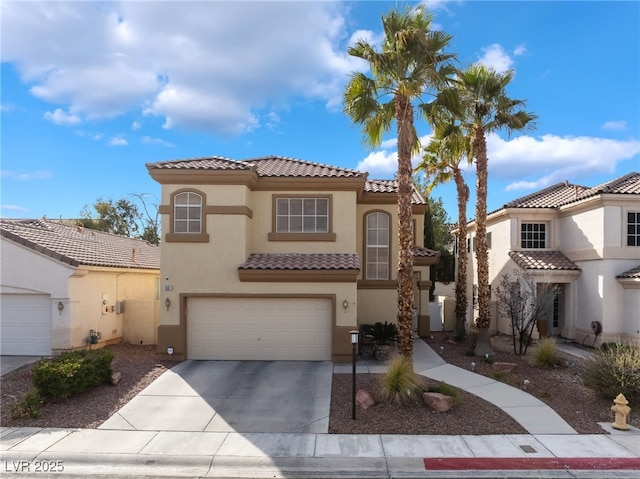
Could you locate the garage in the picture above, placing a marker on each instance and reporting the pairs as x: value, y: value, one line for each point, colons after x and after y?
x: 297, y: 329
x: 26, y: 325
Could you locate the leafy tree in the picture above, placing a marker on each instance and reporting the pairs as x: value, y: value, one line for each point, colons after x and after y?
x: 478, y: 100
x: 441, y: 163
x: 410, y: 62
x: 122, y: 217
x: 522, y: 303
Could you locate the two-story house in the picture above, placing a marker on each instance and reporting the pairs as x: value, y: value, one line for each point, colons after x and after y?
x: 586, y: 242
x: 278, y: 259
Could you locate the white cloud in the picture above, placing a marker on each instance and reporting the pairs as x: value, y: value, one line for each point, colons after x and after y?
x: 118, y: 141
x: 59, y: 117
x: 14, y: 208
x: 156, y: 141
x: 520, y: 50
x: 214, y: 75
x: 383, y: 163
x: 28, y: 176
x: 136, y: 125
x: 534, y: 163
x: 615, y: 125
x: 7, y: 107
x: 494, y: 56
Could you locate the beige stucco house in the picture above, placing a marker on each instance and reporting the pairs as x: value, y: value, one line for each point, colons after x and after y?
x: 60, y: 282
x: 276, y: 258
x: 586, y: 241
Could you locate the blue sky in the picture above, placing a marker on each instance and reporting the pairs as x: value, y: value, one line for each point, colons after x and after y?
x: 92, y: 91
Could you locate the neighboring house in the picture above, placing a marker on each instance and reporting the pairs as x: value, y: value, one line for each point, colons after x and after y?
x: 277, y: 258
x: 60, y: 282
x: 585, y: 241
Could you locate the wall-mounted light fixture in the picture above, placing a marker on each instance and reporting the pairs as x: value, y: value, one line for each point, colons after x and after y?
x: 60, y: 307
x: 345, y: 304
x: 167, y: 303
x: 170, y: 352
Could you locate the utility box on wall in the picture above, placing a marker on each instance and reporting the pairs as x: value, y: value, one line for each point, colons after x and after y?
x: 119, y: 307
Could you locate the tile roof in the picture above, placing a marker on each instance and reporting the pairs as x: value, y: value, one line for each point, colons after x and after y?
x: 565, y: 193
x: 391, y: 186
x: 422, y: 252
x: 300, y: 261
x: 76, y: 246
x: 543, y: 260
x: 550, y: 197
x: 633, y: 273
x: 208, y: 163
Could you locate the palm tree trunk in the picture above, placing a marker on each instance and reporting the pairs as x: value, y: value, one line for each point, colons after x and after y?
x: 461, y: 280
x: 404, y: 117
x: 482, y: 257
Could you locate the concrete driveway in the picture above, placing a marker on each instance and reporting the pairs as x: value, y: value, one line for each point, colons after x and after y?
x: 227, y: 396
x: 11, y: 363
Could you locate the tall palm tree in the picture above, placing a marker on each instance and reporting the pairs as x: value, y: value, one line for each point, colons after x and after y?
x: 441, y: 163
x: 411, y: 62
x: 479, y: 101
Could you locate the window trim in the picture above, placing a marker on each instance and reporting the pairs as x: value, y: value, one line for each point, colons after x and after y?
x: 365, y: 245
x: 275, y: 235
x: 626, y: 235
x: 547, y: 235
x: 201, y: 237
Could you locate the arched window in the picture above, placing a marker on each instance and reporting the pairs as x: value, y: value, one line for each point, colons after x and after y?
x: 187, y: 213
x: 377, y: 246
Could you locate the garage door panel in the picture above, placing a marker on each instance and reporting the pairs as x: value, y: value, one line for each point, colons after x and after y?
x: 25, y: 321
x: 259, y: 328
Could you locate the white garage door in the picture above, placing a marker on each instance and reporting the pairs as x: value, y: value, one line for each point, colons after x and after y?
x: 25, y: 321
x: 259, y: 329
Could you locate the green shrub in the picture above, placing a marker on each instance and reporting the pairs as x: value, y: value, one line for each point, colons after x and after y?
x: 613, y: 370
x: 72, y: 373
x: 545, y: 355
x: 386, y: 333
x: 400, y: 384
x: 447, y: 390
x: 30, y: 404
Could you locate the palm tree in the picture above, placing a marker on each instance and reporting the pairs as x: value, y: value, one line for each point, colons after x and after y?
x: 411, y: 61
x: 479, y: 101
x: 441, y: 163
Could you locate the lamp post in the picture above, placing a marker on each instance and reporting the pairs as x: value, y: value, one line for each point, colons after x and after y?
x: 354, y: 342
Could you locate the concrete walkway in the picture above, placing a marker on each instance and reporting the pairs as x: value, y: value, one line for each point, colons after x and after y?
x: 531, y: 413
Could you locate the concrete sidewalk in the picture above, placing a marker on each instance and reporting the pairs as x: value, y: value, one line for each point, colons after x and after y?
x: 90, y: 452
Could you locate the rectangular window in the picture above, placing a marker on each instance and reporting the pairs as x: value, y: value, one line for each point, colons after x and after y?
x: 302, y: 215
x: 377, y: 246
x: 187, y: 213
x: 533, y: 235
x: 633, y: 228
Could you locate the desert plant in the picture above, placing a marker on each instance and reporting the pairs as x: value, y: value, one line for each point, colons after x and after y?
x: 614, y: 370
x: 545, y: 355
x: 72, y: 373
x: 30, y: 404
x: 400, y: 384
x: 386, y: 333
x: 447, y: 390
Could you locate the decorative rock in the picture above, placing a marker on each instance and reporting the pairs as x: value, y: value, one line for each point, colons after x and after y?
x: 504, y: 367
x: 451, y: 341
x: 115, y: 377
x: 438, y: 401
x: 364, y: 399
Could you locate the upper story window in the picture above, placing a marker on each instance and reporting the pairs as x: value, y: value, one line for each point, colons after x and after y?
x: 187, y: 213
x: 533, y: 235
x: 377, y: 246
x: 302, y: 215
x: 633, y: 228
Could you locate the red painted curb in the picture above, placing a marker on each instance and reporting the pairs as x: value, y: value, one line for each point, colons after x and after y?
x: 530, y: 463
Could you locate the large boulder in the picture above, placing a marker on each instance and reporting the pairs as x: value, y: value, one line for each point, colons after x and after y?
x: 438, y: 401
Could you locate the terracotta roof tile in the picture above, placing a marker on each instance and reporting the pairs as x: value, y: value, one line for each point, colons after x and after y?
x: 422, y: 252
x: 300, y: 261
x: 391, y: 186
x: 550, y: 197
x: 207, y: 163
x: 282, y: 166
x: 628, y: 184
x: 543, y: 260
x: 633, y: 273
x: 80, y: 246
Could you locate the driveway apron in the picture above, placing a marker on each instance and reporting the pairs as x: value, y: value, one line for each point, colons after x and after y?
x: 227, y: 396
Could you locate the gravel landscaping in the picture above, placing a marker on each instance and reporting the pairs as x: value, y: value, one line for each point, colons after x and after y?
x: 561, y: 388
